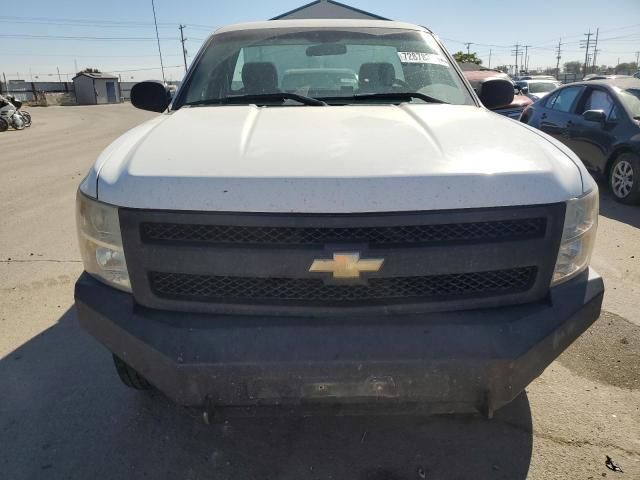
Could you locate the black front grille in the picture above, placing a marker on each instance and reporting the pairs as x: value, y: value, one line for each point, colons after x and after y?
x: 285, y: 291
x: 258, y: 263
x: 512, y: 229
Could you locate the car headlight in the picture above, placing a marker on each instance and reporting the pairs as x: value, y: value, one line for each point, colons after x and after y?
x: 101, y: 242
x: 578, y: 237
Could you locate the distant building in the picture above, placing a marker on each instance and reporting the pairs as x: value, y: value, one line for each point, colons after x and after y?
x: 96, y: 88
x: 327, y: 9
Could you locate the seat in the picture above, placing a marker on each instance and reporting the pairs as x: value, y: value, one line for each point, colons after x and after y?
x: 376, y: 77
x: 259, y: 78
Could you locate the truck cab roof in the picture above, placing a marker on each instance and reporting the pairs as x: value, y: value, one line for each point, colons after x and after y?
x: 320, y: 23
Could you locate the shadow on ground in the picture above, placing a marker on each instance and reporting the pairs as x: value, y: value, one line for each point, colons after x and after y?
x: 629, y: 214
x: 64, y: 414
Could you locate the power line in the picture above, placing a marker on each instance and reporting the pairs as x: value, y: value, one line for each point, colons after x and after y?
x: 83, y: 56
x: 79, y: 21
x: 109, y: 71
x: 25, y: 36
x: 83, y: 22
x: 468, y: 44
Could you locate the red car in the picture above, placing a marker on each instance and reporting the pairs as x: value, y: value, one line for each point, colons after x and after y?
x: 478, y: 76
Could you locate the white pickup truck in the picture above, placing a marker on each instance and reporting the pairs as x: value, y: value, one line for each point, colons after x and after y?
x: 325, y: 214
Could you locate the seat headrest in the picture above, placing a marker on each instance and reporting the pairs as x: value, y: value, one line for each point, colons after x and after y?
x: 259, y: 77
x: 374, y: 75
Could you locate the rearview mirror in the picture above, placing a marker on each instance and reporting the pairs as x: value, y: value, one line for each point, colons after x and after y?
x: 324, y: 49
x: 152, y: 96
x: 594, y: 116
x: 496, y: 92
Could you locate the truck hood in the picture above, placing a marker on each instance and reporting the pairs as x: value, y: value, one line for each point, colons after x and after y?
x: 335, y: 159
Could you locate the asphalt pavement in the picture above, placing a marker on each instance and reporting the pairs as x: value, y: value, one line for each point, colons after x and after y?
x: 64, y: 413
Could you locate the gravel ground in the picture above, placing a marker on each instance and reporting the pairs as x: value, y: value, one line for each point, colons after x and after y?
x: 64, y: 414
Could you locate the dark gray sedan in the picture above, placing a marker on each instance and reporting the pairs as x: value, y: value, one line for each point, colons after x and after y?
x: 600, y: 121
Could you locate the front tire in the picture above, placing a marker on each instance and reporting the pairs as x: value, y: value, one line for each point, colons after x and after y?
x: 130, y: 377
x: 27, y: 118
x: 18, y: 125
x: 624, y: 178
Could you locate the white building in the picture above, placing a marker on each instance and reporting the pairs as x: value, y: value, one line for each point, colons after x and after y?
x: 96, y: 88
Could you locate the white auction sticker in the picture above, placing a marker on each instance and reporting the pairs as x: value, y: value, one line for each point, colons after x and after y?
x: 421, y: 57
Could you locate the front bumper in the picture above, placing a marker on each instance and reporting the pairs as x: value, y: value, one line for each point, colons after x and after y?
x: 473, y: 360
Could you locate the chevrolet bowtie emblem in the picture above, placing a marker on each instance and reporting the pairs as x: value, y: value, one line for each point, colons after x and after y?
x: 346, y: 265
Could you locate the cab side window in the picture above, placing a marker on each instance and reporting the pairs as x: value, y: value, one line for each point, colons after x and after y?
x: 615, y: 114
x: 564, y: 99
x: 550, y: 99
x: 599, y: 100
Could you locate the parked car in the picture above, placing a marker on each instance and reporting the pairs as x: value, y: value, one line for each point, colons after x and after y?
x: 604, y: 77
x: 636, y: 75
x: 479, y: 77
x: 387, y: 244
x: 537, y: 89
x: 600, y: 121
x: 534, y: 77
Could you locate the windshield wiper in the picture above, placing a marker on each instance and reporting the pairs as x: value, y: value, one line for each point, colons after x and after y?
x: 399, y: 96
x: 260, y: 98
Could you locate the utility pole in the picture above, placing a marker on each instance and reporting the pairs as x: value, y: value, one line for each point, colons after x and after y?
x: 184, y: 50
x: 595, y: 50
x: 468, y: 44
x: 516, y: 52
x: 155, y: 21
x: 489, y: 58
x: 637, y: 59
x: 586, y: 44
x: 558, y: 57
x: 6, y: 85
x: 526, y: 57
x: 59, y: 77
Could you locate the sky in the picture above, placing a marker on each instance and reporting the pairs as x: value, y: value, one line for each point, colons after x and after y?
x: 42, y: 37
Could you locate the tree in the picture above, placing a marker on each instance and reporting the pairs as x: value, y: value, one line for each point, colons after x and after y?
x: 573, y: 67
x: 467, y: 58
x: 628, y: 68
x: 89, y: 70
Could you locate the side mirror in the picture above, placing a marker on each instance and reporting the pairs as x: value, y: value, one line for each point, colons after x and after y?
x: 496, y: 93
x: 594, y: 116
x: 524, y: 90
x: 152, y: 96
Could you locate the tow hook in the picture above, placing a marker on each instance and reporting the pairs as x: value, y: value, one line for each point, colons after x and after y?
x: 208, y: 412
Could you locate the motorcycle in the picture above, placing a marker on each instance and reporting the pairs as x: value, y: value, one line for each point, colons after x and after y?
x: 12, y: 116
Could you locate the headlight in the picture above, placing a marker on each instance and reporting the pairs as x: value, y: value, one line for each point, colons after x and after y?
x: 101, y: 242
x: 578, y: 237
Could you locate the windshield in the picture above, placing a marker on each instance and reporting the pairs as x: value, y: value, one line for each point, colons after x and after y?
x: 335, y: 64
x: 542, y: 87
x: 630, y: 97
